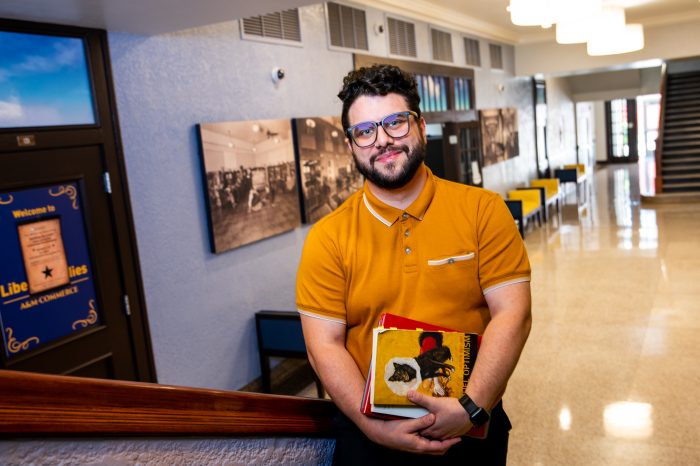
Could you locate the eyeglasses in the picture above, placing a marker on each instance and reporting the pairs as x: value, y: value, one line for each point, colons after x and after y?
x: 396, y: 125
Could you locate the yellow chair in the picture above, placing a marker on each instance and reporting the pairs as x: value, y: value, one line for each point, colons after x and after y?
x: 574, y: 173
x: 551, y: 189
x: 580, y: 168
x: 531, y: 204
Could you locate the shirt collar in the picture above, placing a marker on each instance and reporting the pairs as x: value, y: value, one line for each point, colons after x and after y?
x: 388, y: 215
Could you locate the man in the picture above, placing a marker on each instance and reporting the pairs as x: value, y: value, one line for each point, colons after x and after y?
x: 412, y: 244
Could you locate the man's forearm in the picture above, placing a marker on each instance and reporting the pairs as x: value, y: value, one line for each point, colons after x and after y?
x: 501, y: 346
x: 342, y: 380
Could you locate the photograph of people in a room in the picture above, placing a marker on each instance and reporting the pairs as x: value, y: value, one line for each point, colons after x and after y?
x: 328, y: 173
x: 499, y: 134
x: 250, y: 181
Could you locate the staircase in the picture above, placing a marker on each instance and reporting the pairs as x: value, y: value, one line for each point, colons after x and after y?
x: 681, y: 134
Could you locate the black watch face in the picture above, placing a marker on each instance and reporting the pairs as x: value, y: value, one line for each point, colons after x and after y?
x: 479, y: 417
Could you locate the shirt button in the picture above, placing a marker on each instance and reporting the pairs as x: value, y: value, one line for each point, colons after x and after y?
x: 408, y: 250
x: 406, y: 233
x: 405, y: 215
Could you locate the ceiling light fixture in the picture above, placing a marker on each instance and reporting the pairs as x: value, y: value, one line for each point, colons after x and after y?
x: 579, y: 21
x: 615, y: 41
x: 580, y: 29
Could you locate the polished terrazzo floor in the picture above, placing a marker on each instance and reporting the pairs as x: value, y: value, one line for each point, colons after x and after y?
x: 610, y: 374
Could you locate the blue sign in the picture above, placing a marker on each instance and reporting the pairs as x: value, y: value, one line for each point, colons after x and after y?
x: 31, y: 318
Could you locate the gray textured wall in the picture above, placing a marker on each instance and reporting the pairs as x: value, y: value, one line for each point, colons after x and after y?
x: 170, y: 452
x: 201, y: 305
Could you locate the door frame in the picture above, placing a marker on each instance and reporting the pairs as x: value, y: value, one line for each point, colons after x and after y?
x: 106, y: 134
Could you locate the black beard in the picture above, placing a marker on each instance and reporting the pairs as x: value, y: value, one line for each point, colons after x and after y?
x: 415, y: 156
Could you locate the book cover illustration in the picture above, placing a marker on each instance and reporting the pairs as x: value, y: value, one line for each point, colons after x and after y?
x: 435, y: 363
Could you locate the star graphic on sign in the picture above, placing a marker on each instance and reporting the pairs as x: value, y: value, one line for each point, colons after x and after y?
x: 47, y: 272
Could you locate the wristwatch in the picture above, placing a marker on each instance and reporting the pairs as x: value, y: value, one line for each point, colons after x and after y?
x: 477, y: 415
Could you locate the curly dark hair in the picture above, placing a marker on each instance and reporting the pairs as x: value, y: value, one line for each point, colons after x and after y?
x: 378, y: 80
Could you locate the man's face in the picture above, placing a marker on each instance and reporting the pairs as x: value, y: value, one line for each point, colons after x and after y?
x: 390, y: 163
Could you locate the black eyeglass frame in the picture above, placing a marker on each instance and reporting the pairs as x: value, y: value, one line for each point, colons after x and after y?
x: 379, y: 123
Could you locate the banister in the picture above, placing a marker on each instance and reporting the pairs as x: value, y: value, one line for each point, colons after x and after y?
x: 658, y: 180
x: 61, y: 405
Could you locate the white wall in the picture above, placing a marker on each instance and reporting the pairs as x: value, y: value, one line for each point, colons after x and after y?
x: 171, y: 452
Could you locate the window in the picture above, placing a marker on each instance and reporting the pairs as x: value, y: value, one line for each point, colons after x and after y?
x: 283, y: 25
x: 472, y: 53
x: 44, y: 81
x: 347, y: 26
x: 433, y: 93
x: 402, y: 38
x: 461, y: 90
x: 496, y: 56
x: 442, y: 45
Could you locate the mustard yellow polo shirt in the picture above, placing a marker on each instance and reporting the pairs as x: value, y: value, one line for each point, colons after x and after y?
x: 432, y: 262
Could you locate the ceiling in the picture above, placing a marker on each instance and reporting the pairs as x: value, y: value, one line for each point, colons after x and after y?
x: 483, y: 17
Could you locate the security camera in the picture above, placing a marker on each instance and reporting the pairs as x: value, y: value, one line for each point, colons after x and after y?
x: 277, y: 74
x: 379, y: 29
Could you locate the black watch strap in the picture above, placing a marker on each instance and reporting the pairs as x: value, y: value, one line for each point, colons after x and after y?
x: 478, y: 415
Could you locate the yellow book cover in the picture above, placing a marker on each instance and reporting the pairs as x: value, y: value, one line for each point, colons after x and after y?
x: 431, y: 362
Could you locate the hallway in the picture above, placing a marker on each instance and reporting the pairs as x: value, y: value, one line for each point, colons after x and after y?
x: 610, y: 373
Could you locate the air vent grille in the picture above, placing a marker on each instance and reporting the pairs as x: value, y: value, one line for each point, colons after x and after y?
x: 347, y: 26
x: 442, y: 45
x: 402, y: 38
x: 283, y: 25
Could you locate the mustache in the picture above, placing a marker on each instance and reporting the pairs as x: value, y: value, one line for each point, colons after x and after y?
x: 396, y: 147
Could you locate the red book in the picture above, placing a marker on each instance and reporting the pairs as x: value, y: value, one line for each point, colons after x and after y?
x: 391, y: 321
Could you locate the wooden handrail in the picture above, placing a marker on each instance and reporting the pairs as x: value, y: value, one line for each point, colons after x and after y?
x: 60, y: 405
x: 658, y: 181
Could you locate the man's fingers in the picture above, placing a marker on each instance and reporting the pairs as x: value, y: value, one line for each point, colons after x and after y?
x: 422, y: 422
x: 421, y: 399
x: 439, y: 447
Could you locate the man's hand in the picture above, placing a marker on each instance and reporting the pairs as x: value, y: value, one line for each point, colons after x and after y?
x: 451, y: 420
x: 406, y: 435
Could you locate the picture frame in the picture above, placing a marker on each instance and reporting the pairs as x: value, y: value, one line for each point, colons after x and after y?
x: 250, y: 181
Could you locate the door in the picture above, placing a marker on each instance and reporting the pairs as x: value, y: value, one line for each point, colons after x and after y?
x: 463, y: 157
x: 621, y: 128
x: 71, y: 300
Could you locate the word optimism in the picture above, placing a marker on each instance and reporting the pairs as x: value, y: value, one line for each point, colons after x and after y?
x: 14, y: 288
x: 22, y: 213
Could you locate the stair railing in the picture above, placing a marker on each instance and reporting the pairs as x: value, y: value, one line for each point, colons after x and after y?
x: 59, y: 405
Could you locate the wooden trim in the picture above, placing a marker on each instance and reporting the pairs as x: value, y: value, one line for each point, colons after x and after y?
x: 658, y: 155
x: 60, y: 405
x: 415, y: 66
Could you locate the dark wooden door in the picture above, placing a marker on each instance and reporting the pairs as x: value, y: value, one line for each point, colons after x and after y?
x: 621, y: 130
x: 93, y: 323
x: 463, y: 158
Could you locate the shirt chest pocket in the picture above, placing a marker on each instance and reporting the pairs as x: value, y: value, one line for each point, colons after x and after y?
x: 453, y: 277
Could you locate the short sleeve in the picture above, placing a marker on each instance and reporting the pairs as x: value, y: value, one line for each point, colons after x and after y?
x: 321, y: 284
x: 502, y: 255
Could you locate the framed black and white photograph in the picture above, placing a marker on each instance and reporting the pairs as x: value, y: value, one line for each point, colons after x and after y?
x: 250, y: 177
x: 328, y: 173
x: 499, y: 134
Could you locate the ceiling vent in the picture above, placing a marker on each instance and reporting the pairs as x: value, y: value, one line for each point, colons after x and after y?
x: 472, y: 53
x: 496, y: 52
x: 402, y: 38
x: 280, y: 26
x: 442, y: 45
x: 347, y: 26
